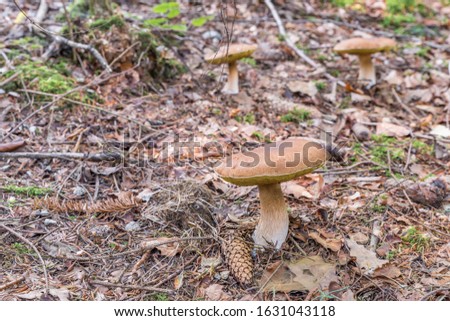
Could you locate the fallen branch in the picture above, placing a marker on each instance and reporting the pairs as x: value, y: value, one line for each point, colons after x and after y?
x: 96, y: 157
x: 9, y: 79
x: 403, y: 105
x: 92, y: 50
x: 426, y: 296
x: 12, y: 283
x: 141, y: 261
x: 59, y: 39
x: 10, y: 230
x: 292, y: 45
x: 153, y: 245
x: 9, y: 147
x: 134, y: 287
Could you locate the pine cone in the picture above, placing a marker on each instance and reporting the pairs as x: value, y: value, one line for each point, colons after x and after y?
x: 239, y: 260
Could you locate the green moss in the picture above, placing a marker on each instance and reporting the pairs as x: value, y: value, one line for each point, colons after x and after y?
x: 40, y: 77
x: 396, y: 20
x: 322, y: 58
x: 247, y: 118
x: 20, y: 248
x: 423, y: 52
x: 391, y: 254
x: 342, y: 3
x: 260, y: 136
x: 249, y: 61
x: 27, y: 42
x: 415, y: 240
x: 217, y: 111
x: 157, y: 297
x: 334, y: 72
x: 77, y: 9
x: 422, y: 147
x: 377, y: 208
x: 400, y: 6
x: 386, y: 145
x: 320, y: 85
x: 105, y: 24
x: 296, y: 116
x: 172, y: 68
x: 162, y: 67
x: 27, y: 190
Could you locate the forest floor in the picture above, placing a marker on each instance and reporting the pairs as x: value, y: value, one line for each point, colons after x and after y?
x: 153, y: 223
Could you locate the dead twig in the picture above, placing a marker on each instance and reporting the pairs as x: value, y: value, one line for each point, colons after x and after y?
x: 93, y: 157
x: 9, y: 79
x: 268, y: 280
x: 10, y: 230
x: 134, y: 287
x: 12, y: 283
x: 59, y: 39
x: 171, y: 276
x: 141, y: 261
x: 426, y: 296
x: 152, y: 246
x: 403, y: 105
x: 292, y: 45
x: 374, y: 237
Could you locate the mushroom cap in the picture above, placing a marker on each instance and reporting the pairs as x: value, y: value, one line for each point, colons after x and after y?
x: 361, y: 46
x: 231, y: 53
x: 275, y: 162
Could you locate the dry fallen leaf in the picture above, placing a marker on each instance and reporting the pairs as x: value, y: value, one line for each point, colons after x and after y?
x: 178, y: 281
x: 215, y: 292
x: 388, y: 270
x: 366, y: 259
x: 394, y: 78
x: 169, y: 249
x: 309, y: 186
x: 9, y: 147
x: 62, y: 294
x: 392, y: 130
x: 291, y: 187
x: 360, y: 238
x: 308, y: 273
x: 331, y: 244
x: 440, y: 130
x: 306, y: 88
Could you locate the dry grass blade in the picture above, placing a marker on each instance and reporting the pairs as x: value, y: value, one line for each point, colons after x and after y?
x: 10, y: 230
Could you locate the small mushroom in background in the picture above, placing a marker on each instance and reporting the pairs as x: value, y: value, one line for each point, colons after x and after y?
x: 268, y: 166
x: 364, y: 48
x: 230, y: 55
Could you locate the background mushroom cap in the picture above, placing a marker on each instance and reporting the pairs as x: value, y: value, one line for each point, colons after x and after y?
x: 274, y: 163
x: 233, y: 52
x: 364, y: 45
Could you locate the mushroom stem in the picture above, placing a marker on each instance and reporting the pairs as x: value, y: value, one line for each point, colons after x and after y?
x: 274, y: 221
x: 232, y: 85
x: 366, y: 69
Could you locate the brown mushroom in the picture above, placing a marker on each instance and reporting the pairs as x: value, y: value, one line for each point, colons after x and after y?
x: 268, y: 166
x: 230, y: 55
x: 364, y: 48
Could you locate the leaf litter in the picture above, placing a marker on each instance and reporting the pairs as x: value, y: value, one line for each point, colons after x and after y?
x: 388, y: 177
